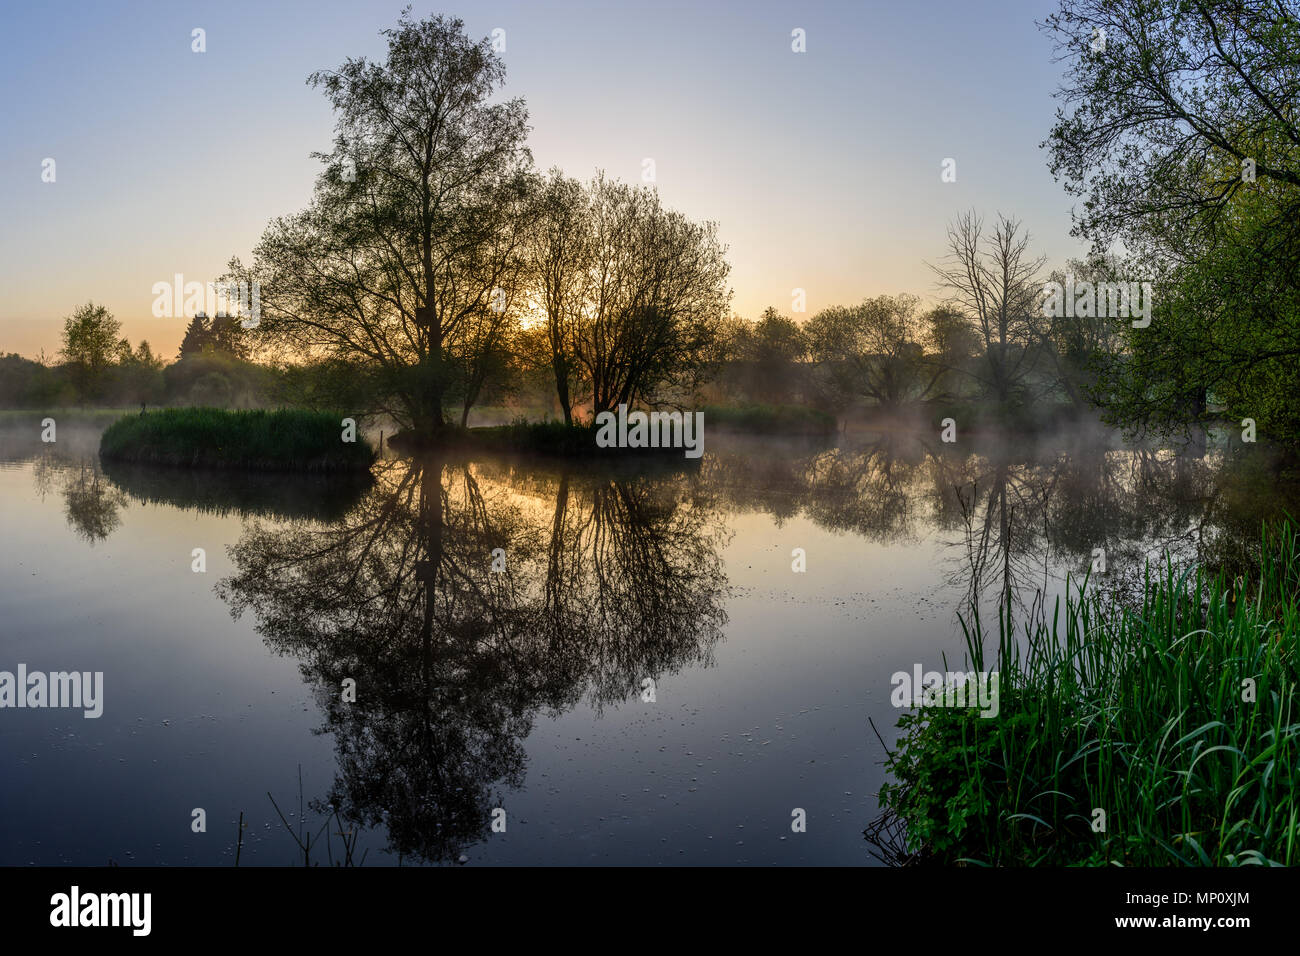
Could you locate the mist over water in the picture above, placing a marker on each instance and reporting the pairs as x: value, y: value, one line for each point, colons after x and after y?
x: 530, y: 689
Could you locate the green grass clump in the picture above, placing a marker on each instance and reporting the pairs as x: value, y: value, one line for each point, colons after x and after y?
x: 1136, y: 711
x: 769, y: 419
x: 538, y: 438
x: 285, y: 440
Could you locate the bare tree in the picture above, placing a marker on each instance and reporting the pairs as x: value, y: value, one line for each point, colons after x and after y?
x: 992, y: 279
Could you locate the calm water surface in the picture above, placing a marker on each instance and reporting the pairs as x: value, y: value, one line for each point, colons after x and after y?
x: 527, y: 690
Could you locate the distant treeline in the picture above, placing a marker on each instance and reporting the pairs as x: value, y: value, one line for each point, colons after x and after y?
x: 885, y: 353
x: 98, y: 367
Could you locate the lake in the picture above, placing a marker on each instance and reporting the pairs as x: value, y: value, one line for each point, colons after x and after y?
x: 498, y: 662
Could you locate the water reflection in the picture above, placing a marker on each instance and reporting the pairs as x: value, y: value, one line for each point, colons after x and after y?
x: 608, y: 582
x: 1017, y: 511
x: 615, y: 578
x: 91, y: 501
x: 596, y: 559
x: 274, y: 495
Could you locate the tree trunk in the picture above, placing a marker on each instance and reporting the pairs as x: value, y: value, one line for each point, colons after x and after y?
x: 429, y: 381
x: 562, y: 388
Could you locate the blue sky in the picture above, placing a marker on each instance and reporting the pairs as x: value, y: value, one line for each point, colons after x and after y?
x: 821, y: 168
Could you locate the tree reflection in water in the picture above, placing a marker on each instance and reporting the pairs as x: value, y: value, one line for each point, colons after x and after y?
x: 608, y: 581
x: 614, y: 577
x: 91, y: 502
x: 1011, y: 511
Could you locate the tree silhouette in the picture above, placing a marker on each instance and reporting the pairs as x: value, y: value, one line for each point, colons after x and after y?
x: 611, y: 582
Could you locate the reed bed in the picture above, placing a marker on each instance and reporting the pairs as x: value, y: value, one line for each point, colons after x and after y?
x: 1166, y: 732
x: 284, y: 440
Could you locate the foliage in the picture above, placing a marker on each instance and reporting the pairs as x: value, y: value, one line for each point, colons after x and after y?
x: 30, y: 384
x: 871, y: 351
x: 257, y: 440
x: 90, y: 345
x: 766, y: 360
x: 1140, y: 711
x: 416, y: 226
x: 223, y: 333
x: 1181, y: 135
x: 634, y: 294
x: 217, y: 379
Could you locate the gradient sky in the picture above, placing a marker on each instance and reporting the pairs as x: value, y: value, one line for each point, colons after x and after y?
x: 821, y: 168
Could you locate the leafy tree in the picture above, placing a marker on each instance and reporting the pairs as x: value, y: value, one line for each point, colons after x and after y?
x: 416, y: 222
x: 871, y: 351
x: 1182, y: 135
x: 559, y: 255
x: 952, y: 345
x: 1223, y: 342
x: 197, y: 336
x: 771, y: 353
x: 25, y: 383
x: 1080, y: 347
x: 1159, y: 119
x: 90, y: 346
x: 225, y: 334
x: 654, y: 301
x: 138, y: 376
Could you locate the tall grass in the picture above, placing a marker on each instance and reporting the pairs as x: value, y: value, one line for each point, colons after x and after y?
x: 283, y: 440
x: 1145, y: 713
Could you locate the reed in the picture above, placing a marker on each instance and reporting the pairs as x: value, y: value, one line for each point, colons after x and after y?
x: 1177, y: 717
x: 284, y: 440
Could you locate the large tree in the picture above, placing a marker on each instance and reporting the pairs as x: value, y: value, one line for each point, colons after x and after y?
x: 1166, y: 103
x: 655, y: 297
x: 417, y: 220
x: 1180, y: 129
x: 559, y: 259
x: 634, y: 295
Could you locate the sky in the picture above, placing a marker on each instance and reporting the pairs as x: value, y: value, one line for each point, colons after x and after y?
x: 821, y: 168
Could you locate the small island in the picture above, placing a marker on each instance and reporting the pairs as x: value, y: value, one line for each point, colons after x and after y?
x: 257, y: 440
